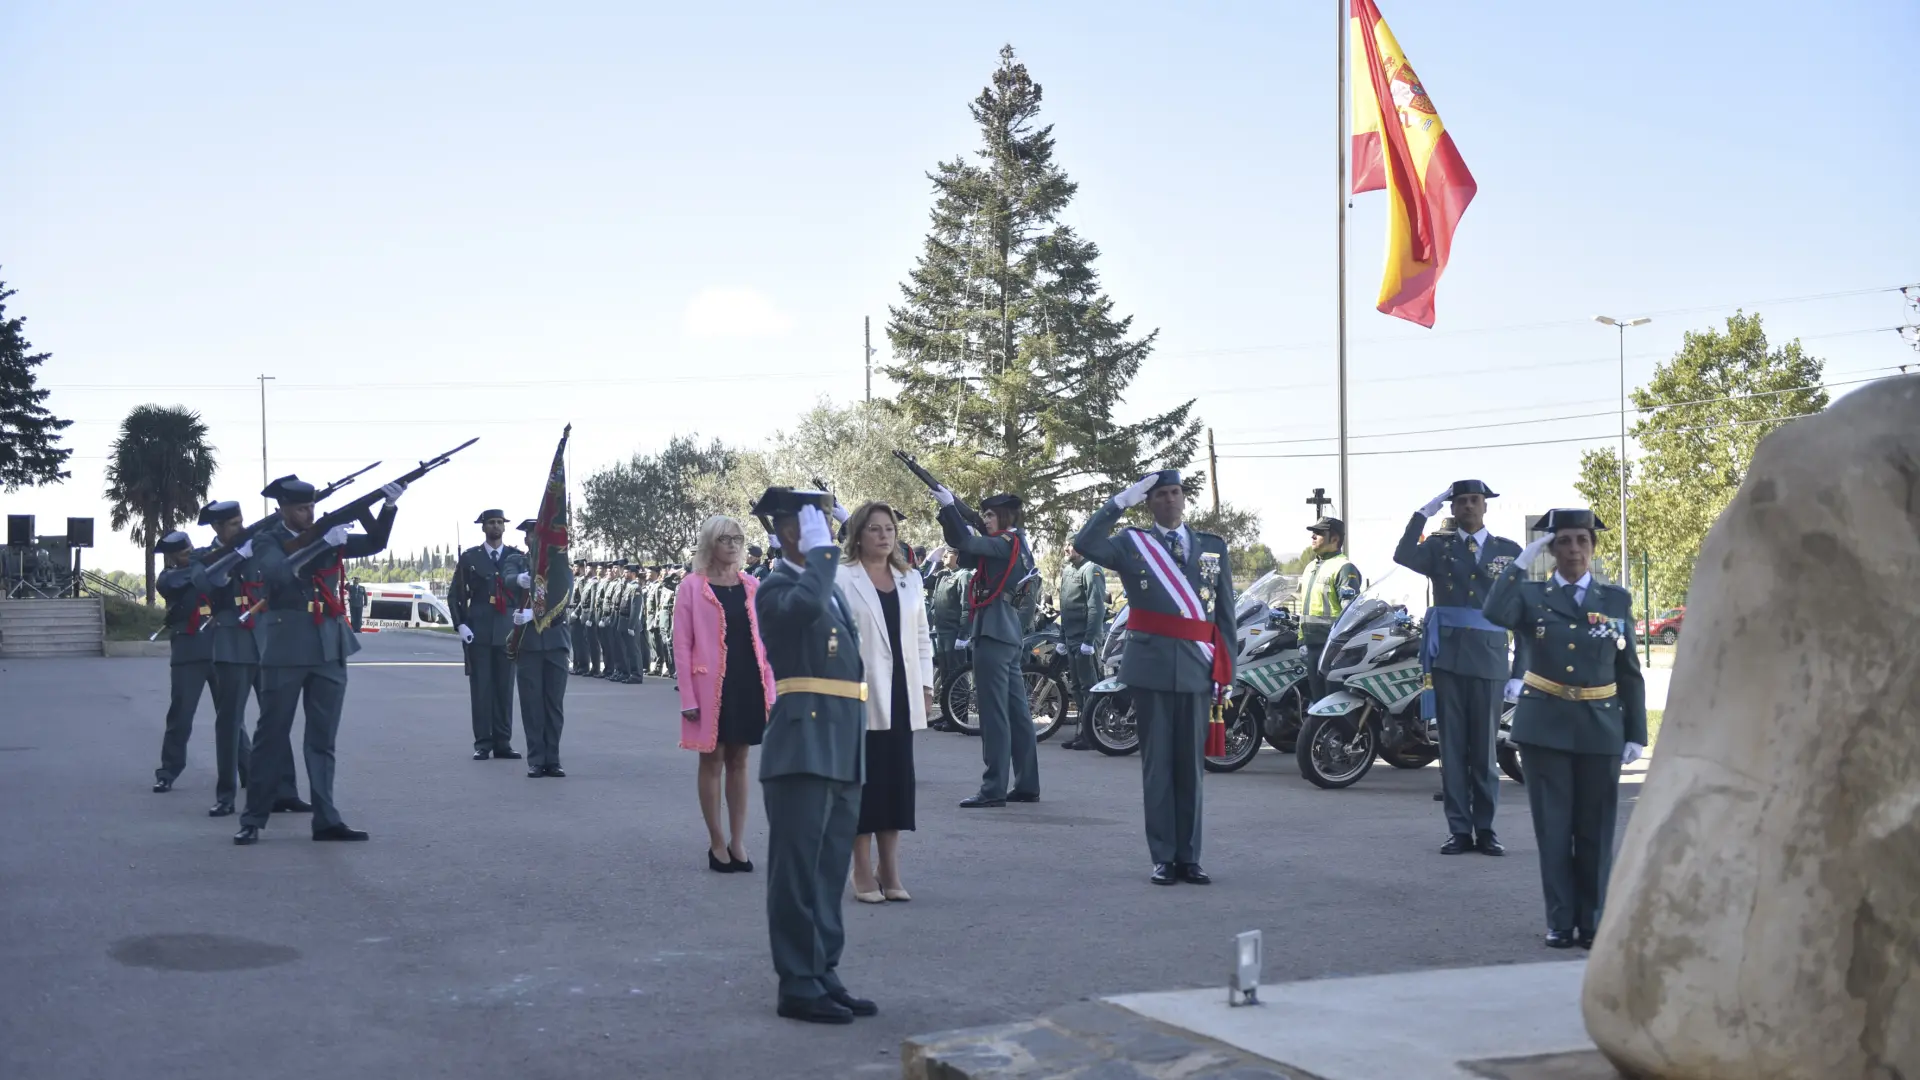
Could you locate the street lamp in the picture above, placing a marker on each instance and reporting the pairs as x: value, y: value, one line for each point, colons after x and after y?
x: 1622, y: 324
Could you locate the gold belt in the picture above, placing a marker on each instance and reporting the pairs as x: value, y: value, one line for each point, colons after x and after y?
x: 1569, y: 693
x: 845, y: 688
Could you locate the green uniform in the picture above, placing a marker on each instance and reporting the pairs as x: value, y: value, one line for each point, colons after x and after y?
x: 948, y: 599
x: 1083, y: 622
x: 999, y: 563
x: 540, y: 665
x: 190, y: 634
x: 478, y: 600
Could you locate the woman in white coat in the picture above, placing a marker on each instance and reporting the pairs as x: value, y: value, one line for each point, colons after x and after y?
x: 896, y: 646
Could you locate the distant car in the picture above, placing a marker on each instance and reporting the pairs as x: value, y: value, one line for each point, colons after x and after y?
x: 1666, y: 626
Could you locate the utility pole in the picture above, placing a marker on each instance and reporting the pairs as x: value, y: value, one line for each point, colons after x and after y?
x: 1626, y: 567
x: 263, y: 443
x: 1344, y: 11
x: 867, y: 321
x: 1213, y: 475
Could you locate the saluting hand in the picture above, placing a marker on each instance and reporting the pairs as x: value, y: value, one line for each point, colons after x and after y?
x: 814, y: 533
x: 1433, y: 507
x: 1137, y: 493
x: 1532, y: 551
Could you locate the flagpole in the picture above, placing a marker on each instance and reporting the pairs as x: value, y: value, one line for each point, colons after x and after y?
x: 1340, y: 184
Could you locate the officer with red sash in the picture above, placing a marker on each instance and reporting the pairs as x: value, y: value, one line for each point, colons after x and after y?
x: 1178, y: 659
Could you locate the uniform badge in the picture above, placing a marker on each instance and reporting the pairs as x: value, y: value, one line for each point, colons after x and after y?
x: 1209, y: 573
x: 1497, y: 564
x: 833, y: 644
x: 1540, y: 631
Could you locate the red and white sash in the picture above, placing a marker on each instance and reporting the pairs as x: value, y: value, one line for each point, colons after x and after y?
x: 1172, y: 579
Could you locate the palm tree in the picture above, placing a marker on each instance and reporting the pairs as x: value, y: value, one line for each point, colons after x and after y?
x: 158, y: 473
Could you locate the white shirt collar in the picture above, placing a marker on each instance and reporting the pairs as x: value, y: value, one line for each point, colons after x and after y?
x: 1179, y: 530
x: 493, y: 549
x: 1481, y: 536
x: 1585, y: 581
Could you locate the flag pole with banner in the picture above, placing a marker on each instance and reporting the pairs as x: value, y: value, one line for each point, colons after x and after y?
x: 549, y: 543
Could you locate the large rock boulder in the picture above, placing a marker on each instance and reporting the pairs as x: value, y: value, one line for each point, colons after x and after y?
x: 1763, y: 920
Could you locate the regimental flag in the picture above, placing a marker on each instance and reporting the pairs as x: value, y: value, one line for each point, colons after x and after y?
x: 1399, y: 144
x: 548, y: 558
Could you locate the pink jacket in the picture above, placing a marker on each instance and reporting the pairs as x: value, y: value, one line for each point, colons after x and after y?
x: 700, y: 656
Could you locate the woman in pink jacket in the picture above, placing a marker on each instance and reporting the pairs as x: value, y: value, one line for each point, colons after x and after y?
x: 726, y: 687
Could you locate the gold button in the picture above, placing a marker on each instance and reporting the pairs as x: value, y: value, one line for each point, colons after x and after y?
x: 1569, y: 669
x: 1570, y: 626
x: 1570, y: 646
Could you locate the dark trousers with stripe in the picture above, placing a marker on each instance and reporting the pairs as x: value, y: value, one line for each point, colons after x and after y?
x: 1469, y: 713
x: 1575, y: 799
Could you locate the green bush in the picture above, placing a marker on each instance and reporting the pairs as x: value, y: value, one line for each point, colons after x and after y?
x: 129, y: 621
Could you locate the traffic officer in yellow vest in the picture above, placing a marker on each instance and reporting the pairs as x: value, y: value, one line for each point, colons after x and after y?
x: 1582, y: 713
x: 1328, y: 581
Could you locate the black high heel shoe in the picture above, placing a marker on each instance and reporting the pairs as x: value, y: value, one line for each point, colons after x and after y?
x: 717, y: 866
x: 739, y: 866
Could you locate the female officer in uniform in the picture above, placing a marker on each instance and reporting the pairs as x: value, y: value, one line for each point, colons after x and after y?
x: 1582, y: 713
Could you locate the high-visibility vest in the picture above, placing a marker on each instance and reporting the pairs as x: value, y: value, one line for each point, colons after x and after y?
x: 1319, y: 600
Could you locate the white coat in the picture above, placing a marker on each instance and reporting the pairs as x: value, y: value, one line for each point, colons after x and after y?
x: 876, y: 651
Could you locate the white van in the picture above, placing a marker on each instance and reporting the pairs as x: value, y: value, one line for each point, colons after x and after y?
x: 405, y: 604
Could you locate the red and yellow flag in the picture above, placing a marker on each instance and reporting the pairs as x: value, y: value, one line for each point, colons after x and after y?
x: 1399, y: 144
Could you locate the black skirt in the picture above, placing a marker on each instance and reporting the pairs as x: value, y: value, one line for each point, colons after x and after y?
x: 886, y: 800
x: 743, y: 700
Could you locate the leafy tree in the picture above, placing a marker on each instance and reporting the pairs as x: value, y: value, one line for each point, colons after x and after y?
x: 28, y: 432
x: 1710, y: 407
x: 158, y: 473
x: 1248, y: 557
x: 651, y: 505
x: 1009, y: 357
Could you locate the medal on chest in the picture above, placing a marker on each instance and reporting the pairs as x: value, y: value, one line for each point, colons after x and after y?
x: 833, y: 643
x: 1209, y: 573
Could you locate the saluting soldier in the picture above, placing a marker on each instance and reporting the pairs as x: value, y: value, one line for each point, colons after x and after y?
x: 1001, y: 562
x: 948, y: 598
x: 188, y: 594
x: 1582, y: 713
x: 303, y: 654
x: 1329, y: 579
x: 1465, y: 656
x: 813, y: 760
x: 478, y: 600
x: 1179, y: 656
x: 1083, y: 626
x: 540, y: 663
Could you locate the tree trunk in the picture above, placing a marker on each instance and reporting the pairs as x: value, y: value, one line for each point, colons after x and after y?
x: 146, y: 545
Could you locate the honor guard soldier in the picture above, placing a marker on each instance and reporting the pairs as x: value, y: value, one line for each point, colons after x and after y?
x: 1083, y: 626
x: 814, y: 758
x: 1178, y: 660
x: 1465, y: 656
x: 1001, y: 562
x: 602, y: 581
x: 236, y: 661
x: 478, y: 599
x: 581, y: 579
x: 666, y: 597
x: 189, y: 597
x: 948, y: 597
x: 540, y: 659
x: 614, y: 638
x: 1329, y: 579
x: 1582, y: 713
x: 303, y: 654
x: 639, y: 648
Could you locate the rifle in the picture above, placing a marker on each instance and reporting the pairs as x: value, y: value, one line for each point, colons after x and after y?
x: 220, y: 559
x: 311, y: 540
x: 967, y: 513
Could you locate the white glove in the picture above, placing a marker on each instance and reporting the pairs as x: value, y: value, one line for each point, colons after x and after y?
x: 245, y: 550
x: 942, y: 496
x: 1532, y: 551
x: 1060, y: 648
x: 961, y: 643
x: 1086, y: 650
x: 525, y: 581
x: 1137, y: 494
x: 466, y: 635
x: 1631, y: 754
x: 392, y: 492
x: 1512, y: 692
x: 336, y: 536
x: 840, y: 514
x: 522, y: 616
x: 813, y: 529
x: 1433, y: 507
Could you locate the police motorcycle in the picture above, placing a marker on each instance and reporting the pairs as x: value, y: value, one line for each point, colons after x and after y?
x: 1044, y: 666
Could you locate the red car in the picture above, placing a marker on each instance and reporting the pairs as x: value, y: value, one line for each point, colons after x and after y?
x: 1666, y: 626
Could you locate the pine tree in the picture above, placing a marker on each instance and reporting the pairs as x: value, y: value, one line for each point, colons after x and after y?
x: 29, y: 433
x: 1009, y: 357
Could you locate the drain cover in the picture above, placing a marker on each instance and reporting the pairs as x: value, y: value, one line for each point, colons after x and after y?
x: 199, y: 952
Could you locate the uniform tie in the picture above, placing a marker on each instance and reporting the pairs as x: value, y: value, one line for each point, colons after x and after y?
x: 1473, y: 547
x: 1172, y: 538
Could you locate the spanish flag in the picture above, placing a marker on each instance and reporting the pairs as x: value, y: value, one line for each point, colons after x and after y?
x: 1399, y: 144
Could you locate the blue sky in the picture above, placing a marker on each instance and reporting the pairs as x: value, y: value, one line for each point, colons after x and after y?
x: 435, y: 221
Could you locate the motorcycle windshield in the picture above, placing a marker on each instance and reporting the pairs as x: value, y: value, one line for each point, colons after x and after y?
x: 1272, y: 589
x: 1361, y: 617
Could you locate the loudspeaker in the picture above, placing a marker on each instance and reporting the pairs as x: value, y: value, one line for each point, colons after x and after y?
x: 19, y: 530
x: 79, y: 532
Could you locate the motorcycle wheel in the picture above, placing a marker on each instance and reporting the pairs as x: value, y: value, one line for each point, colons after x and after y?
x: 1047, y: 700
x: 1336, y: 751
x: 1509, y: 755
x: 962, y: 711
x: 1280, y: 722
x: 1418, y: 756
x: 1111, y: 726
x: 1243, y: 737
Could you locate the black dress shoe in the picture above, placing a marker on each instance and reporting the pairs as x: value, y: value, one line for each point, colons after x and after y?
x: 978, y: 802
x: 1019, y: 796
x: 854, y: 1005
x: 742, y: 866
x: 820, y: 1010
x: 248, y: 834
x: 338, y: 832
x: 1457, y: 844
x: 1075, y: 743
x: 719, y: 867
x: 1559, y: 939
x: 223, y: 808
x: 1489, y: 844
x: 509, y: 754
x: 536, y: 772
x: 1439, y: 796
x: 295, y: 805
x: 1584, y: 937
x: 556, y: 771
x: 1163, y: 874
x: 1192, y: 874
x: 162, y: 786
x: 482, y: 755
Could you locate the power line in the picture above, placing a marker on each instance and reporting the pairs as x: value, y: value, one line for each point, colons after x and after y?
x: 1504, y: 446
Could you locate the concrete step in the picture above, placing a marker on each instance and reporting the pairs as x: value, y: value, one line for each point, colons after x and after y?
x: 33, y: 628
x: 1091, y: 1039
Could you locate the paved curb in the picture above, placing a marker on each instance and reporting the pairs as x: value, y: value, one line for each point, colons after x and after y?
x: 1088, y: 1041
x: 125, y: 649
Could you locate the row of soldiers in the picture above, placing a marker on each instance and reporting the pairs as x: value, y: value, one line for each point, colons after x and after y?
x: 623, y: 613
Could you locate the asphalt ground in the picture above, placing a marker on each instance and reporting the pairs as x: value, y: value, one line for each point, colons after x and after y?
x: 497, y: 926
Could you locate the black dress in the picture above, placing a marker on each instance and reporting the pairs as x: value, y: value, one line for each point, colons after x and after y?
x: 886, y: 800
x: 743, y: 700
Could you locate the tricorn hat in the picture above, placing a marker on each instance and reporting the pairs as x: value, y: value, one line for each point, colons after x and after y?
x: 779, y: 502
x: 485, y: 514
x: 1471, y: 487
x: 1328, y: 525
x: 1166, y: 478
x: 215, y: 512
x: 754, y: 552
x: 1570, y: 519
x: 528, y: 525
x: 289, y: 489
x: 1004, y: 499
x: 172, y: 542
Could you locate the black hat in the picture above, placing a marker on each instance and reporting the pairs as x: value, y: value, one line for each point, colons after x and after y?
x: 995, y: 502
x: 172, y: 542
x: 1570, y: 519
x: 754, y: 552
x: 215, y: 512
x: 1328, y: 525
x: 289, y: 489
x: 1471, y: 487
x: 528, y: 525
x: 778, y: 502
x: 1166, y: 478
x: 485, y: 514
